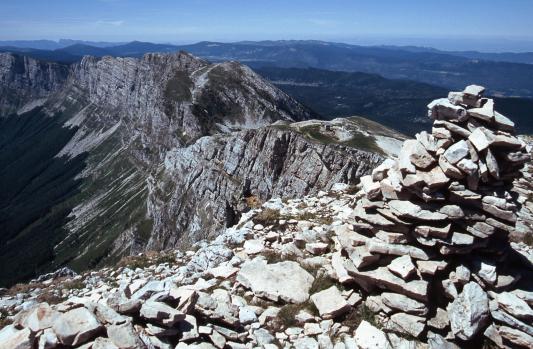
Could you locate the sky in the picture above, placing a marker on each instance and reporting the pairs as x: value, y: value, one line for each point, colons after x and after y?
x: 490, y: 25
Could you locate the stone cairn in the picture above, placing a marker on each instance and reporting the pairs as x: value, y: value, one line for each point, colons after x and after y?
x: 445, y: 203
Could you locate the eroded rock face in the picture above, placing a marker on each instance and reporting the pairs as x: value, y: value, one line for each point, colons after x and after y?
x: 24, y: 80
x: 220, y: 170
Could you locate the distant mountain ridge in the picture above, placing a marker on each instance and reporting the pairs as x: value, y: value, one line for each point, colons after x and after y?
x: 399, y: 104
x: 445, y: 69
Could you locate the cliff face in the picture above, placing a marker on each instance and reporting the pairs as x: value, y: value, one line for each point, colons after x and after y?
x: 24, y: 79
x: 170, y: 148
x: 203, y: 188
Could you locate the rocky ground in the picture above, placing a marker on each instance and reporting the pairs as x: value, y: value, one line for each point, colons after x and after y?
x: 275, y: 280
x: 432, y: 250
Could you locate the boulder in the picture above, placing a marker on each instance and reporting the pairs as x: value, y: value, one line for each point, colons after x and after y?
x: 469, y: 312
x: 124, y: 336
x: 474, y: 91
x: 419, y: 156
x: 287, y: 281
x: 330, y: 303
x: 516, y: 337
x: 515, y: 306
x: 161, y: 313
x: 254, y: 246
x: 485, y: 113
x: 407, y: 209
x: 371, y: 188
x: 456, y: 152
x: 76, y: 327
x: 40, y: 318
x: 404, y: 304
x: 103, y: 343
x: 12, y: 338
x: 377, y: 246
x: 370, y: 337
x: 408, y: 324
x: 443, y: 109
x: 383, y: 278
x: 403, y: 267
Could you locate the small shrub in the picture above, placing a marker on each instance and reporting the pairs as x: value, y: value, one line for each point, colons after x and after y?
x: 23, y: 288
x: 362, y: 312
x: 253, y: 201
x: 306, y: 216
x: 267, y: 217
x: 4, y: 320
x: 322, y: 282
x: 287, y: 314
x: 134, y: 262
x: 73, y: 285
x: 166, y: 258
x: 50, y: 298
x: 272, y: 256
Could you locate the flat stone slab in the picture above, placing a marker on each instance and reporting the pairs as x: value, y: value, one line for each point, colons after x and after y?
x: 161, y: 313
x: 286, y: 280
x: 403, y: 303
x: 383, y: 278
x: 330, y: 303
x: 407, y: 209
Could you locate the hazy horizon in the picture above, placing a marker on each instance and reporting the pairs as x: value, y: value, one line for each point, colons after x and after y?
x: 475, y: 25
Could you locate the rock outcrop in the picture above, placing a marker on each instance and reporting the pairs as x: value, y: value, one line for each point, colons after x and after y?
x: 26, y: 83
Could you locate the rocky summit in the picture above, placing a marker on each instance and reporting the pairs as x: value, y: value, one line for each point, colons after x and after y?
x: 425, y: 252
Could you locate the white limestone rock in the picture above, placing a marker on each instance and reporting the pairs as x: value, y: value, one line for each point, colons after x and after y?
x: 76, y: 326
x: 403, y: 267
x: 287, y: 280
x: 330, y: 303
x: 469, y: 312
x: 456, y: 152
x: 370, y: 337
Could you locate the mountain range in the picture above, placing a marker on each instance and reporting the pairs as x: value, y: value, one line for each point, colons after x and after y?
x: 510, y: 72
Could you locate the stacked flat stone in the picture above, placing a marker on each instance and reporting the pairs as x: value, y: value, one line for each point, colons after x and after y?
x: 438, y: 218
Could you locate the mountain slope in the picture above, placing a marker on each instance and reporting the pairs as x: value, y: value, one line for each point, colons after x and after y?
x: 141, y: 149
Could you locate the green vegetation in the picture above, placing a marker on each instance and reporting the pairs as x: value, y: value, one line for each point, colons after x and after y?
x: 4, y: 320
x: 34, y: 186
x: 287, y: 314
x: 177, y: 89
x: 322, y: 282
x: 362, y: 312
x: 399, y: 104
x: 134, y: 262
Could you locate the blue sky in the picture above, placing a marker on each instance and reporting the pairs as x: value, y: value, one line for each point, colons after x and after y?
x: 177, y: 21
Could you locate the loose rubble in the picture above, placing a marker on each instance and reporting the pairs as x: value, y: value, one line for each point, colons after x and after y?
x: 422, y: 256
